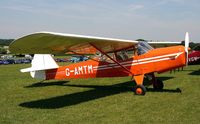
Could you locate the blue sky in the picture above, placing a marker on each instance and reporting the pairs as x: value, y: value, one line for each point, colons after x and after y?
x: 126, y: 19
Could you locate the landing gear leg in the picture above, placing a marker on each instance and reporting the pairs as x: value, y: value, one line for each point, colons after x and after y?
x: 157, y: 84
x: 139, y: 88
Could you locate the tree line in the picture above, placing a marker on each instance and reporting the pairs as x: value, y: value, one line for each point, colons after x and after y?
x: 5, y: 42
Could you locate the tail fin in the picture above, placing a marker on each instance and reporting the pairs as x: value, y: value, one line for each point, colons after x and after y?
x: 40, y: 63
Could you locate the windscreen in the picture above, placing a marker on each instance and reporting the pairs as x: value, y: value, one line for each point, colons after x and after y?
x: 143, y: 47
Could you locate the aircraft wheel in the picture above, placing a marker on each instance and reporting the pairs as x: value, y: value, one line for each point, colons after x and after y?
x: 158, y: 85
x: 140, y: 90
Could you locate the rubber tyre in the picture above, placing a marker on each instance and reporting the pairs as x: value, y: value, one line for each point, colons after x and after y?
x: 158, y: 85
x: 140, y: 90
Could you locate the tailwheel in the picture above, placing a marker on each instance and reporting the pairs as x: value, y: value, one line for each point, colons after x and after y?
x: 158, y: 84
x: 140, y: 90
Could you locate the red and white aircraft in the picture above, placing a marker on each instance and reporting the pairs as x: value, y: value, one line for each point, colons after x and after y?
x: 194, y: 56
x: 116, y: 57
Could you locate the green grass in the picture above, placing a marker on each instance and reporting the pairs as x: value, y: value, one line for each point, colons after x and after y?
x: 103, y: 100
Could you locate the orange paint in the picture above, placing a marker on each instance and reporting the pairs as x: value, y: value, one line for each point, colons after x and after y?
x: 156, y: 60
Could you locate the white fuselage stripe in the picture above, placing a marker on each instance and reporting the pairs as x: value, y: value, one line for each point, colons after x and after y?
x: 138, y: 62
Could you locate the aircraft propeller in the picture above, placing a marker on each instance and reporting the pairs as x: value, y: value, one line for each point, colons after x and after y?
x: 187, y: 40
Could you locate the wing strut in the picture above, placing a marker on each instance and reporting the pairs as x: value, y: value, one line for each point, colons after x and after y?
x: 112, y: 59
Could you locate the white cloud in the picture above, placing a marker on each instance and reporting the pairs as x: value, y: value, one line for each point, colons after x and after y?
x: 163, y: 2
x: 135, y: 7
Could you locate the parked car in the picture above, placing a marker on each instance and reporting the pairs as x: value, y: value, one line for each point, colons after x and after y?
x: 78, y: 58
x: 26, y: 61
x: 18, y: 61
x: 11, y: 61
x: 61, y: 60
x: 1, y: 62
x: 5, y: 62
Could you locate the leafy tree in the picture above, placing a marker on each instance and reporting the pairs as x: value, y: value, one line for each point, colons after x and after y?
x: 140, y: 40
x: 2, y: 50
x: 193, y: 46
x: 5, y: 42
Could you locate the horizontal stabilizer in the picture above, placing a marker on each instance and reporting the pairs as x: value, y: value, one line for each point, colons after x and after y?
x: 34, y: 69
x: 41, y: 62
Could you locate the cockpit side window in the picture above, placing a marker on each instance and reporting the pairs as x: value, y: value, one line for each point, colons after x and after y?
x: 104, y: 58
x: 118, y: 56
x: 122, y: 55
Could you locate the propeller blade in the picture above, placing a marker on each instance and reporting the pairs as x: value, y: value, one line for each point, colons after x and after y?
x: 187, y: 40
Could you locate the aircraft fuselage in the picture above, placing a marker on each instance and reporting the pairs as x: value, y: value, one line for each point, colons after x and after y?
x: 156, y: 60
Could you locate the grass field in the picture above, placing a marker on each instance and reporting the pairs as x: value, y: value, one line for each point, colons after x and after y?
x: 104, y: 100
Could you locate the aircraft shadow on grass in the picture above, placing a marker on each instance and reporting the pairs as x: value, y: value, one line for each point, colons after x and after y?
x: 76, y: 98
x: 197, y: 72
x: 45, y: 84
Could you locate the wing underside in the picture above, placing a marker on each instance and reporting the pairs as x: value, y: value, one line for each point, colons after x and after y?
x: 53, y: 43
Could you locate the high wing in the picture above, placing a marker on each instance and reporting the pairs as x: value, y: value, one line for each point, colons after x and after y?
x: 157, y: 44
x: 53, y: 43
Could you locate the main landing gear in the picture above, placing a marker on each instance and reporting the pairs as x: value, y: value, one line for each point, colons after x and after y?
x: 140, y: 88
x: 157, y: 84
